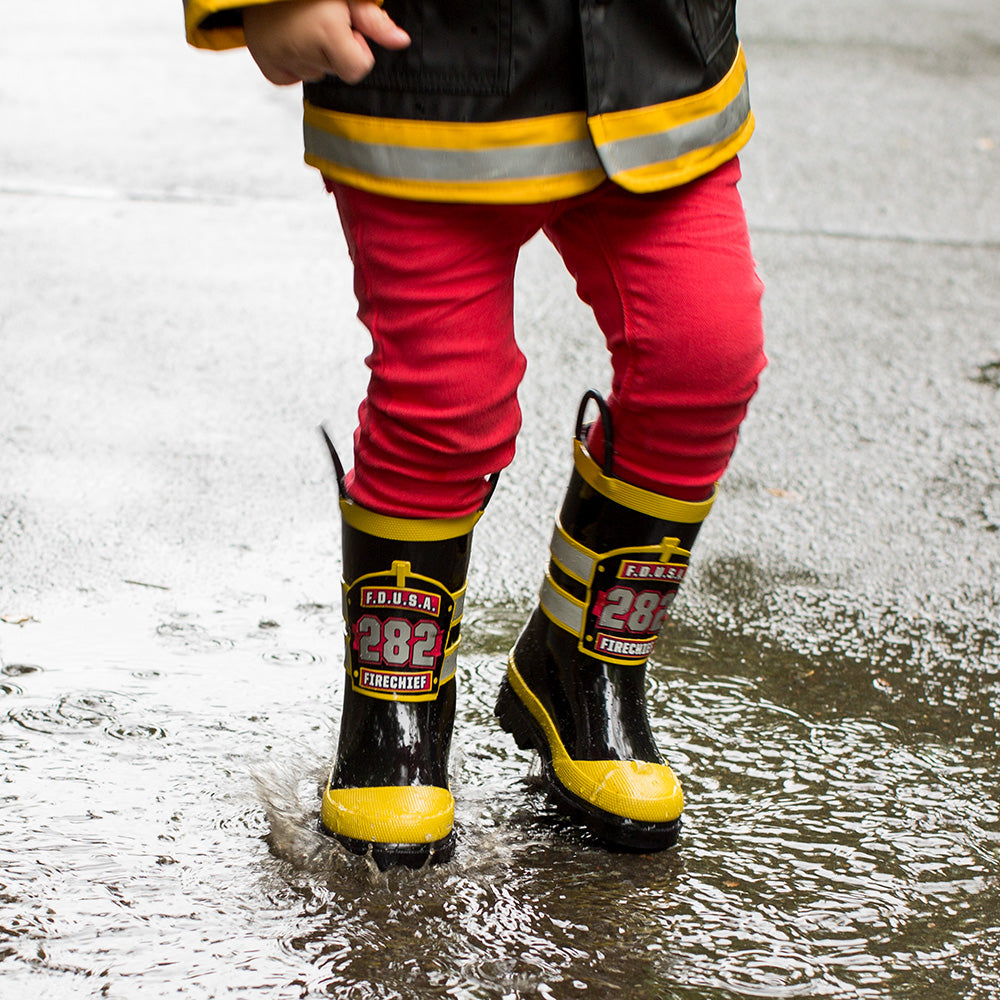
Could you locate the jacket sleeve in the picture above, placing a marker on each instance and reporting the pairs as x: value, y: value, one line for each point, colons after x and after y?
x: 216, y: 24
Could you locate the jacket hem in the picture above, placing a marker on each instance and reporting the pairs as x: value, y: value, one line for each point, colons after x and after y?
x: 530, y: 191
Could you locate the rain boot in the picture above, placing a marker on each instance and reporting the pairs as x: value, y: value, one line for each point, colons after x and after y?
x: 575, y: 689
x: 403, y: 592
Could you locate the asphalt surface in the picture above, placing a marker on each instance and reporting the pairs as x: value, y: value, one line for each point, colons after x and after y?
x: 176, y: 318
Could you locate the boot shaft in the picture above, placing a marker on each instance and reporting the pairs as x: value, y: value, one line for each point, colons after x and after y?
x: 617, y: 558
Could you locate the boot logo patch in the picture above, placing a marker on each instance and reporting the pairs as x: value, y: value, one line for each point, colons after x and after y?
x: 397, y: 631
x: 627, y: 603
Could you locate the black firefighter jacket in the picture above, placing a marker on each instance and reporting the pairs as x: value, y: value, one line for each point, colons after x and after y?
x: 526, y: 100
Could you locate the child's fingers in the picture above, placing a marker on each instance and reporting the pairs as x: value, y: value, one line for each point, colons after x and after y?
x: 310, y: 39
x: 347, y: 57
x: 373, y: 22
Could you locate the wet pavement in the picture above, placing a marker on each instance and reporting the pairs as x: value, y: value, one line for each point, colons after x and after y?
x: 176, y: 319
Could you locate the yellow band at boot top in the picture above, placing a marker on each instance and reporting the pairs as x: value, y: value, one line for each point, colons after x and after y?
x: 632, y: 789
x: 405, y: 529
x: 411, y: 814
x: 635, y: 497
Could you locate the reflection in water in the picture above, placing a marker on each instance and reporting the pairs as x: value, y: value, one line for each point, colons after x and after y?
x: 160, y: 797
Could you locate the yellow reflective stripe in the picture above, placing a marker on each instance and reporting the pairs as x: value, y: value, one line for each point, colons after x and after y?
x: 561, y: 608
x: 402, y: 529
x: 459, y: 609
x: 415, y: 814
x: 687, y: 149
x: 449, y: 666
x: 617, y: 126
x: 531, y: 159
x: 633, y: 789
x: 671, y: 143
x: 636, y: 498
x: 683, y: 169
x: 545, y: 130
x: 529, y: 191
x: 572, y: 557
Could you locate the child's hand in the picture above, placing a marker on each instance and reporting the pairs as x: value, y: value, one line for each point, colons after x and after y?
x: 308, y: 39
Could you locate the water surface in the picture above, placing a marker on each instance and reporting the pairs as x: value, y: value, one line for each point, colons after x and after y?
x: 160, y: 796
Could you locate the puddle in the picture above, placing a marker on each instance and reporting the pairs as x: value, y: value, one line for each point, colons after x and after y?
x: 837, y: 843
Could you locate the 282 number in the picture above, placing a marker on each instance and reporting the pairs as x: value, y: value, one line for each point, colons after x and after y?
x: 642, y: 612
x: 397, y: 642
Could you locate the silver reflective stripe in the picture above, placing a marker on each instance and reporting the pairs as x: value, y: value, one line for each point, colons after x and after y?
x: 426, y: 164
x: 456, y: 614
x: 450, y: 665
x: 659, y: 147
x: 560, y: 608
x: 579, y: 565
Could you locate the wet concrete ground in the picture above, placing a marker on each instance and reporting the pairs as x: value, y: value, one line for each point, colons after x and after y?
x: 175, y: 320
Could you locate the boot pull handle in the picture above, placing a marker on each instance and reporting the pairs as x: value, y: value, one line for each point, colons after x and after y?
x: 492, y: 480
x: 606, y: 427
x: 338, y: 466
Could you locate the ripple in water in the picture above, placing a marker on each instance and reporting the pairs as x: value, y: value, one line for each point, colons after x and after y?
x: 19, y: 669
x: 135, y: 731
x: 291, y: 658
x: 72, y: 712
x: 830, y: 849
x: 192, y: 638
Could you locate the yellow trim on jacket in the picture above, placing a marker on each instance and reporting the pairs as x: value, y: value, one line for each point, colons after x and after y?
x: 527, y: 160
x: 196, y: 11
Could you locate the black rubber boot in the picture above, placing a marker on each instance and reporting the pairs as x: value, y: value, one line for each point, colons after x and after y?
x: 575, y: 689
x: 404, y: 587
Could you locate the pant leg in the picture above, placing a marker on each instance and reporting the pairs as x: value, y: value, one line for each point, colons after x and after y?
x: 672, y: 283
x: 434, y: 285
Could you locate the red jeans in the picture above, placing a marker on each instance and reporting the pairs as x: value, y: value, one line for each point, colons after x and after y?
x: 672, y: 284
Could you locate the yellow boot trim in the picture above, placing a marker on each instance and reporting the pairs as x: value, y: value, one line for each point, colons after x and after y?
x: 635, y: 497
x: 414, y: 814
x: 404, y: 529
x: 632, y: 789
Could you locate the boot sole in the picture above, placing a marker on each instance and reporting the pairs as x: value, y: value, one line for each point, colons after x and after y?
x: 615, y: 831
x: 388, y: 856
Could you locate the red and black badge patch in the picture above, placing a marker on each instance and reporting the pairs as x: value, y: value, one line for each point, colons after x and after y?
x: 398, y: 627
x: 628, y: 600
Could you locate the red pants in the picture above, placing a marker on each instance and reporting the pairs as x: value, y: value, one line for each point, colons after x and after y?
x: 672, y: 284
